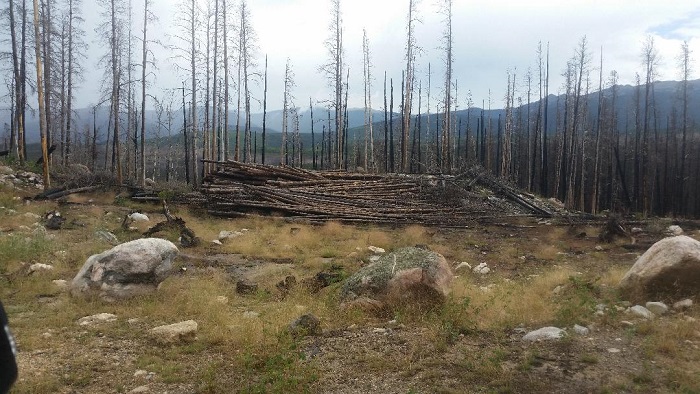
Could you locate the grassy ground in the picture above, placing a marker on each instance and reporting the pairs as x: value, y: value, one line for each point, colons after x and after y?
x: 541, y: 275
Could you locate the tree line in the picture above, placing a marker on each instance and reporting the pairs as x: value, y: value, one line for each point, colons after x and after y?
x: 568, y: 149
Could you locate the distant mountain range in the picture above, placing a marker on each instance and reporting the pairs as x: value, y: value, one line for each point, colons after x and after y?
x: 666, y: 97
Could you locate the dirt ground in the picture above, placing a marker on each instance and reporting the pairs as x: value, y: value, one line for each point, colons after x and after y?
x: 394, y: 354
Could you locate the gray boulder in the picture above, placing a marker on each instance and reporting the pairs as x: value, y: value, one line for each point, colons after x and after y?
x: 544, y: 334
x: 129, y: 269
x: 405, y: 275
x: 305, y: 325
x: 185, y: 331
x: 670, y: 269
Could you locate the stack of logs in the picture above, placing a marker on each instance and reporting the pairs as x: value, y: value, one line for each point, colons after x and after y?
x: 236, y: 189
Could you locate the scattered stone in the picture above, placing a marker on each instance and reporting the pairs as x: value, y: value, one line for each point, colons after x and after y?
x: 376, y: 250
x: 683, y: 304
x: 379, y: 330
x: 216, y: 242
x: 222, y: 300
x: 129, y: 269
x: 36, y: 267
x: 482, y: 269
x: 61, y: 284
x: 246, y: 287
x: 544, y: 334
x: 140, y: 372
x: 250, y: 314
x: 138, y: 217
x: 669, y: 269
x: 627, y: 323
x: 599, y: 248
x: 599, y: 313
x: 601, y: 307
x: 462, y: 266
x: 133, y: 320
x: 140, y: 389
x: 53, y: 220
x: 614, y: 350
x: 227, y: 235
x: 674, y: 230
x: 657, y: 308
x: 97, y: 319
x: 581, y: 330
x: 305, y: 325
x: 185, y: 331
x: 407, y: 274
x: 641, y: 311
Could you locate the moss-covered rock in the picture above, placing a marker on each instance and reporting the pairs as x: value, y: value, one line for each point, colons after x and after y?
x: 405, y: 275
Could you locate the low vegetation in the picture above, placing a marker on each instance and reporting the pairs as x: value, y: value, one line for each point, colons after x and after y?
x: 541, y: 275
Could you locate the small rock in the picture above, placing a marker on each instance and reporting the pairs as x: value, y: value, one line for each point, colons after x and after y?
x: 379, y: 331
x: 599, y: 313
x: 627, y: 323
x: 305, y: 325
x: 222, y: 299
x: 674, y: 230
x: 482, y: 269
x: 140, y: 389
x: 690, y: 319
x: 61, y: 284
x: 641, y: 311
x: 245, y: 287
x: 613, y: 350
x: 216, y: 242
x: 545, y: 333
x: 39, y: 267
x: 657, y: 308
x: 374, y: 259
x: 683, y: 304
x: 636, y: 230
x: 557, y: 290
x: 376, y: 250
x: 185, y: 331
x: 140, y: 372
x: 133, y: 320
x: 581, y: 330
x: 599, y: 248
x: 96, y: 319
x: 463, y: 265
x: 225, y: 235
x: 250, y: 314
x: 138, y: 217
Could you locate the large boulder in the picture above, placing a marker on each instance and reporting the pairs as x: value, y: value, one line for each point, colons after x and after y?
x: 670, y: 269
x: 407, y: 275
x: 129, y: 269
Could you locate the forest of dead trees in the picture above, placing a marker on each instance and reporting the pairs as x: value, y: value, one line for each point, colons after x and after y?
x: 561, y: 146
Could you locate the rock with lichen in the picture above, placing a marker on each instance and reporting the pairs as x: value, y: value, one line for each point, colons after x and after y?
x: 403, y: 276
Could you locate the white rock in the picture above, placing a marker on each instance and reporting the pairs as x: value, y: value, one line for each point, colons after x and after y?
x: 482, y: 269
x: 222, y: 299
x: 140, y: 389
x: 224, y: 234
x: 138, y: 217
x: 216, y: 242
x: 379, y: 331
x: 683, y: 304
x: 173, y: 333
x: 40, y: 267
x: 641, y: 311
x: 601, y: 307
x: 674, y: 230
x: 374, y: 259
x: 97, y: 319
x: 543, y: 334
x: 614, y: 350
x: 636, y: 230
x: 581, y: 330
x: 657, y: 308
x: 463, y: 265
x: 627, y: 323
x: 599, y: 313
x: 140, y: 372
x: 376, y: 250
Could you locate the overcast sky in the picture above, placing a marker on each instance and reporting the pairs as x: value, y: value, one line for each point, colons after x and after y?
x: 490, y: 38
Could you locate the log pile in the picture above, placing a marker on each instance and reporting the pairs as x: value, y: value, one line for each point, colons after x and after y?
x: 236, y: 189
